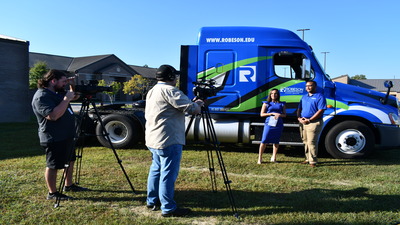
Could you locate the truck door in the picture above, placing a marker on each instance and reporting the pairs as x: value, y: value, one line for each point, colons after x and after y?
x: 222, y: 61
x: 232, y: 79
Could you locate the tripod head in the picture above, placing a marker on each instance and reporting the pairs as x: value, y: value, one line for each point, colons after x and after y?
x: 92, y: 88
x: 204, y: 89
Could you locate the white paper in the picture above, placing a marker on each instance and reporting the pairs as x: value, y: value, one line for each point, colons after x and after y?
x: 272, y: 121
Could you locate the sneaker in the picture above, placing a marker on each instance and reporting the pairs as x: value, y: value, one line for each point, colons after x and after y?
x: 155, y: 207
x: 179, y: 212
x: 58, y: 195
x: 75, y: 188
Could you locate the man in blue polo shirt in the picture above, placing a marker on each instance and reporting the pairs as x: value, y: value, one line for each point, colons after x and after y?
x: 309, y: 113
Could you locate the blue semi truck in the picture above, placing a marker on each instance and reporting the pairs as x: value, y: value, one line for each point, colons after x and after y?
x: 235, y: 67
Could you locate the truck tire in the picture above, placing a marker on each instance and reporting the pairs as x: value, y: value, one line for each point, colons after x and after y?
x: 121, y: 130
x: 349, y: 140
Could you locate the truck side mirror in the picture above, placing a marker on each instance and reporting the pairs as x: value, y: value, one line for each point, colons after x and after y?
x: 306, y: 69
x: 388, y: 84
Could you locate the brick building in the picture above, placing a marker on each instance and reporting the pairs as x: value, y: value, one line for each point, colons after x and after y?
x: 14, y: 80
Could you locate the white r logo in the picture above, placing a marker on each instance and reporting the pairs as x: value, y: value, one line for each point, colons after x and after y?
x: 247, y: 74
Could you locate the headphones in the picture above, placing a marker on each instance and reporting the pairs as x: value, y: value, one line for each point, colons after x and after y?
x: 166, y: 72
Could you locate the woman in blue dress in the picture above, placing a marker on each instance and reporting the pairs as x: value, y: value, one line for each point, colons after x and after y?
x: 274, y: 110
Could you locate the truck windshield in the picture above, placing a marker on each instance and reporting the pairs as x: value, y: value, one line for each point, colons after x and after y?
x: 319, y: 64
x: 290, y: 65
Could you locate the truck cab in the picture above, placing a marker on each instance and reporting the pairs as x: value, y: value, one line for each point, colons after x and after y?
x: 234, y: 68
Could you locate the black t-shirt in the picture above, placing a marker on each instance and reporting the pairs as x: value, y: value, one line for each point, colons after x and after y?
x: 43, y: 103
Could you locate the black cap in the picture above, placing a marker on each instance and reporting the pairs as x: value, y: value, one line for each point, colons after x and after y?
x: 166, y: 72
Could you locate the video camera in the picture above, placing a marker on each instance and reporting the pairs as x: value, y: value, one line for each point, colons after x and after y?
x: 204, y: 89
x: 91, y: 88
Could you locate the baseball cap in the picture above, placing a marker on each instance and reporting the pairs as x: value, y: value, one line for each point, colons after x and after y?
x: 166, y: 72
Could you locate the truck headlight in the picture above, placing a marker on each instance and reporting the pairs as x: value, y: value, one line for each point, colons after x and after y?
x: 394, y: 118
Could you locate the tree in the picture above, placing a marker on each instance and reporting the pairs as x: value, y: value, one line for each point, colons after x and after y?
x: 359, y: 77
x: 36, y: 73
x: 138, y: 85
x: 116, y: 86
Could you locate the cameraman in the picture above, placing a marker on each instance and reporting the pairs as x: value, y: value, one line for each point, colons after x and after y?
x: 56, y: 129
x: 165, y: 112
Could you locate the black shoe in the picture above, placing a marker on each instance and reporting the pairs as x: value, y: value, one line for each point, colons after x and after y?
x: 59, y: 196
x: 75, y: 188
x: 179, y: 212
x: 155, y: 207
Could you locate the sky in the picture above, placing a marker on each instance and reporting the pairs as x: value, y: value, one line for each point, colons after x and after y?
x: 362, y: 37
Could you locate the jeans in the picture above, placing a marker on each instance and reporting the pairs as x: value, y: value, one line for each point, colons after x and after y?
x: 163, y: 172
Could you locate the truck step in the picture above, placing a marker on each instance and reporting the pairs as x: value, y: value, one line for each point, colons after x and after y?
x: 284, y: 125
x: 283, y: 143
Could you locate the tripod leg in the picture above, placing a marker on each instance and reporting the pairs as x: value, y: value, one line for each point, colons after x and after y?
x: 215, y: 143
x: 61, y: 186
x: 211, y: 138
x: 227, y: 183
x: 80, y: 136
x: 78, y: 167
x: 107, y: 136
x: 78, y: 130
x: 189, y: 125
x: 207, y: 133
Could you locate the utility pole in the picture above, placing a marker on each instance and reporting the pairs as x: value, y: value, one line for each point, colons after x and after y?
x: 302, y: 30
x: 325, y: 60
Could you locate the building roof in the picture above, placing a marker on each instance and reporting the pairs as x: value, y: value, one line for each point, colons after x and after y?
x: 81, y: 62
x: 342, y: 76
x: 11, y: 38
x: 93, y: 64
x: 53, y: 61
x: 373, y: 84
x: 376, y: 84
x: 145, y: 72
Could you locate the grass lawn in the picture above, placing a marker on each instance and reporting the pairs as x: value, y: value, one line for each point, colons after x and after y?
x: 337, y: 192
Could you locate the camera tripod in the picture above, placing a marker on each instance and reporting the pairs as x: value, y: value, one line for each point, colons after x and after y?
x: 210, y: 137
x: 80, y: 134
